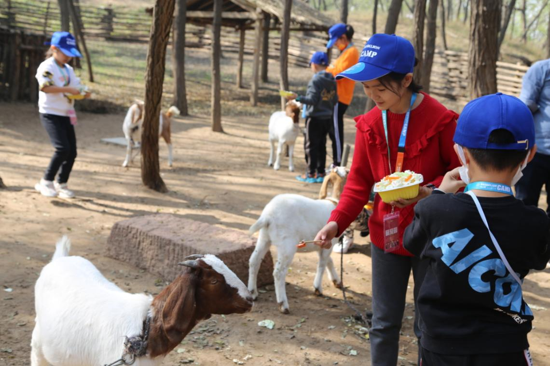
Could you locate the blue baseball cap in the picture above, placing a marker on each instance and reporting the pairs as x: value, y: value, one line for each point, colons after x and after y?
x: 483, y: 115
x: 382, y: 54
x: 335, y: 32
x: 66, y: 43
x: 319, y: 58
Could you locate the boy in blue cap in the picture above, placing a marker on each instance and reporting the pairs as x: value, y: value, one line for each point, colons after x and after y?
x: 58, y: 87
x: 480, y: 244
x: 320, y: 99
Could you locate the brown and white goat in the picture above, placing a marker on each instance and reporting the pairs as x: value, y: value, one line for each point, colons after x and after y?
x: 284, y: 128
x: 285, y: 221
x: 132, y: 128
x: 84, y: 319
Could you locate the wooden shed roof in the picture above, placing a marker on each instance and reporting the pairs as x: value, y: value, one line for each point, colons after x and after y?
x: 238, y: 12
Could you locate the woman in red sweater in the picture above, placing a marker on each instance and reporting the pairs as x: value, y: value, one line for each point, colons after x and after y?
x: 425, y: 146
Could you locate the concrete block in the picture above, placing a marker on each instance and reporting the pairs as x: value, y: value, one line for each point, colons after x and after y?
x: 157, y: 243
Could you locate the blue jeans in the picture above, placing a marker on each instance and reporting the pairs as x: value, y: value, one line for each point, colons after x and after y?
x: 390, y: 278
x: 535, y: 175
x: 63, y: 138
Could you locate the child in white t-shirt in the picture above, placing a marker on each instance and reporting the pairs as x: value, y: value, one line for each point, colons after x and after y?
x: 58, y: 84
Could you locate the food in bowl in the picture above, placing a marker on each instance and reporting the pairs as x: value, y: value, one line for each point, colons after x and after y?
x: 83, y: 90
x: 399, y: 185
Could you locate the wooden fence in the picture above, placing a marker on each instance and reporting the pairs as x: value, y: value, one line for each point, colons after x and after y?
x: 20, y: 55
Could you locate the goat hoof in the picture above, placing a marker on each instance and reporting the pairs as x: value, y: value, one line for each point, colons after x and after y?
x: 318, y: 292
x: 283, y: 309
x: 291, y: 169
x: 276, y: 167
x: 270, y: 164
x: 338, y: 284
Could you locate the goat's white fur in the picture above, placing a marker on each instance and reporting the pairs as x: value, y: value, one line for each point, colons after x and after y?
x: 283, y: 130
x: 81, y: 317
x: 287, y: 219
x: 132, y: 129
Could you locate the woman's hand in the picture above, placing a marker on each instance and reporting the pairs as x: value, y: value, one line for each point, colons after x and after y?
x: 423, y: 192
x: 451, y: 182
x: 326, y: 234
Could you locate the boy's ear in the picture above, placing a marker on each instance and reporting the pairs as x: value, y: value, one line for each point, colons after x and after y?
x: 532, y: 153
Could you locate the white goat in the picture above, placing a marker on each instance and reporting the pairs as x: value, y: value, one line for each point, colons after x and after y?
x: 284, y: 128
x: 285, y: 221
x: 83, y: 319
x: 132, y: 128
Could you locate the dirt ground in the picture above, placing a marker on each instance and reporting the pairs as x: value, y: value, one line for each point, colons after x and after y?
x: 220, y: 179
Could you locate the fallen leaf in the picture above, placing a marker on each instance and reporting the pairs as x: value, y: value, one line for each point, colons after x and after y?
x: 269, y: 324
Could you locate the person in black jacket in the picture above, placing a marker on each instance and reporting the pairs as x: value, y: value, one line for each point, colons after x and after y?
x: 320, y: 99
x: 480, y: 244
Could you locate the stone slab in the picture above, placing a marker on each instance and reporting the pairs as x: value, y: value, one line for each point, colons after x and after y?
x: 119, y: 141
x: 157, y: 243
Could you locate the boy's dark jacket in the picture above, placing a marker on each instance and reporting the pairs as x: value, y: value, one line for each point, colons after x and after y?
x: 320, y: 96
x: 468, y: 302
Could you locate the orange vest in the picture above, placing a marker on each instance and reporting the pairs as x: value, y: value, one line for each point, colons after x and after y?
x: 347, y: 59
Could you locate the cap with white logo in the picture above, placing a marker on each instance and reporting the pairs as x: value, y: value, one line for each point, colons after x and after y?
x: 65, y: 42
x: 382, y: 54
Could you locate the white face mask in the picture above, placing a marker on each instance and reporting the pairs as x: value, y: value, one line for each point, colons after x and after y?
x: 463, y: 170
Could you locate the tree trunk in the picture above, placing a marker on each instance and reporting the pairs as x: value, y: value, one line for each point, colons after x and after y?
x: 524, y: 20
x: 156, y: 60
x: 65, y: 15
x: 344, y: 12
x: 431, y: 33
x: 459, y: 7
x: 418, y: 37
x: 178, y: 58
x: 505, y: 22
x: 375, y: 13
x: 483, y: 52
x: 256, y: 62
x: 466, y: 12
x: 78, y: 26
x: 548, y: 38
x: 370, y: 105
x: 449, y: 8
x: 285, y: 36
x: 242, y: 33
x: 393, y: 16
x: 216, y: 77
x: 265, y: 46
x: 2, y: 185
x: 443, y: 16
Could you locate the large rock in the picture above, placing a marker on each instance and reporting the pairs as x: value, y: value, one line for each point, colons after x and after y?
x: 157, y: 243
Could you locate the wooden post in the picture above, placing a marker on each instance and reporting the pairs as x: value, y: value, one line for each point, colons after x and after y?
x: 265, y: 46
x: 178, y: 58
x: 256, y: 62
x: 46, y: 18
x: 16, y: 80
x: 65, y: 14
x: 285, y: 36
x: 216, y: 77
x: 78, y: 28
x: 242, y: 31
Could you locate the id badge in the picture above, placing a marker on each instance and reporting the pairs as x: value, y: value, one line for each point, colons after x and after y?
x: 72, y: 115
x: 391, y: 232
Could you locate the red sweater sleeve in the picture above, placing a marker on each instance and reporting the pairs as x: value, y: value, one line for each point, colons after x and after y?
x: 357, y: 188
x: 446, y: 149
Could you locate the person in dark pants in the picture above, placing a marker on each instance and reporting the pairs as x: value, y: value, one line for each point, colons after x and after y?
x: 535, y: 93
x: 320, y: 100
x: 341, y: 36
x: 58, y: 87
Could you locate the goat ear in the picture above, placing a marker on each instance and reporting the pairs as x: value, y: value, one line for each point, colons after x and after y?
x: 178, y: 313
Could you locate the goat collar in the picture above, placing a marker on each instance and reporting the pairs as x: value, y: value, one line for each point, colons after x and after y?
x: 333, y: 200
x: 135, y: 346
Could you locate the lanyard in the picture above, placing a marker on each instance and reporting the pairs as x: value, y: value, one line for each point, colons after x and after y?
x: 402, y: 137
x: 493, y: 239
x: 490, y: 187
x: 66, y: 80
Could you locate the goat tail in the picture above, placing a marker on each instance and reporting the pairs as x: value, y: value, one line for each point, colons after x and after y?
x: 261, y: 223
x: 62, y: 248
x: 173, y: 111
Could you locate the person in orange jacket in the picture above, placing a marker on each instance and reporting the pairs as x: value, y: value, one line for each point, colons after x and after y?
x: 340, y: 36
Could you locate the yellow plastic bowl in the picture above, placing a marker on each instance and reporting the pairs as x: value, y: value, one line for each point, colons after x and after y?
x: 75, y: 97
x: 406, y: 193
x: 285, y: 94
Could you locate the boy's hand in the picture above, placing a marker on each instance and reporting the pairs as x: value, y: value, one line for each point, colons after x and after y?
x: 423, y: 192
x: 451, y: 182
x: 70, y: 90
x: 326, y: 234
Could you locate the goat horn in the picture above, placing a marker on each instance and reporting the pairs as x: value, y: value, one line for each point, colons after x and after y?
x: 194, y: 256
x: 190, y: 264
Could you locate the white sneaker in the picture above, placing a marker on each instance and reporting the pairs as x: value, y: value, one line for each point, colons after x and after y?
x: 46, y: 188
x: 63, y: 190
